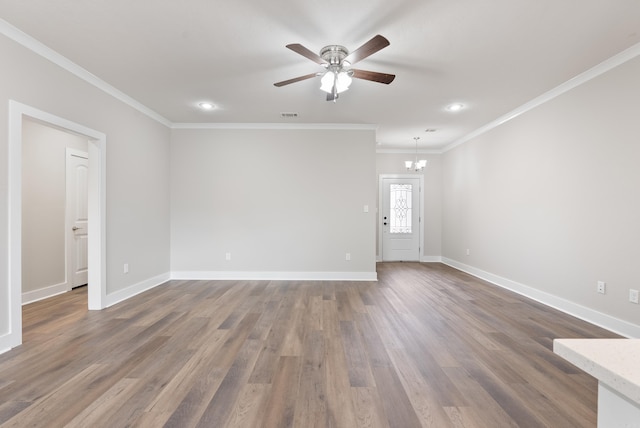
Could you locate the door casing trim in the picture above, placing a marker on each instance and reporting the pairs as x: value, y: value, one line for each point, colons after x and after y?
x: 97, y: 211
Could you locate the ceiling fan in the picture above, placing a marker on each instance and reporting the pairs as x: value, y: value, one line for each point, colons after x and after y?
x: 337, y: 60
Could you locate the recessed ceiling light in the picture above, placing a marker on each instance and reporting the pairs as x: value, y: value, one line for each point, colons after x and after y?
x: 455, y: 107
x: 206, y: 106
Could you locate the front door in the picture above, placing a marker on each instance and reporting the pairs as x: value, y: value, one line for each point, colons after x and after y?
x: 77, y: 217
x: 400, y: 219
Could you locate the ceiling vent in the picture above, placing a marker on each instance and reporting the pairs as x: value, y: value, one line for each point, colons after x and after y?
x: 288, y: 114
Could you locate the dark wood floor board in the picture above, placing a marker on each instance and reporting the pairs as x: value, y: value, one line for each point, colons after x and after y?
x: 28, y: 384
x: 447, y: 392
x: 464, y: 417
x: 355, y: 298
x: 294, y: 336
x: 388, y: 326
x: 188, y: 412
x: 311, y: 401
x: 269, y: 355
x: 331, y: 320
x: 9, y: 409
x: 250, y: 406
x: 61, y: 404
x: 328, y: 290
x: 219, y: 409
x: 344, y: 304
x: 397, y: 406
x: 174, y: 304
x: 103, y: 408
x: 284, y: 390
x: 426, y: 345
x: 550, y: 379
x: 421, y: 391
x: 375, y: 350
x: 64, y: 402
x: 263, y: 326
x: 358, y: 363
x: 369, y: 408
x: 175, y: 391
x: 546, y: 409
x: 504, y: 395
x: 502, y: 363
x: 340, y: 400
x: 483, y: 406
x: 122, y: 348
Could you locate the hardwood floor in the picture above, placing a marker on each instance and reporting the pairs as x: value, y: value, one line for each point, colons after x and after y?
x: 426, y: 345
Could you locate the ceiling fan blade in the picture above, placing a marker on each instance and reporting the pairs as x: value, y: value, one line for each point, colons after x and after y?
x: 299, y: 49
x: 374, y: 76
x: 369, y: 48
x: 295, y: 79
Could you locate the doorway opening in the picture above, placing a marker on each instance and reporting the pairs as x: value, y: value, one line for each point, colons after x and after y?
x: 96, y: 179
x: 54, y: 210
x: 400, y: 225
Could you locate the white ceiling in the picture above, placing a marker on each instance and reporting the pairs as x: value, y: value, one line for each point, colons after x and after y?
x: 491, y: 55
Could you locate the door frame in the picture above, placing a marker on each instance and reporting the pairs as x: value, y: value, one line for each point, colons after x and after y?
x: 97, y: 212
x: 381, y: 179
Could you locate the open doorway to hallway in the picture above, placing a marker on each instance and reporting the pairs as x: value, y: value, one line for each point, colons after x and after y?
x: 54, y: 210
x: 96, y: 147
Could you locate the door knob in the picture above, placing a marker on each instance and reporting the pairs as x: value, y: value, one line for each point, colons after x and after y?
x: 74, y: 228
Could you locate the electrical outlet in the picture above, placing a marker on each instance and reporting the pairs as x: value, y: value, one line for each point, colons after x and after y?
x: 602, y: 287
x: 125, y: 269
x: 633, y: 296
x: 347, y: 256
x: 227, y: 256
x: 468, y: 252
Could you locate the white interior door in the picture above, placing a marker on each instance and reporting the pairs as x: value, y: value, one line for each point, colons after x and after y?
x: 77, y: 217
x: 400, y: 219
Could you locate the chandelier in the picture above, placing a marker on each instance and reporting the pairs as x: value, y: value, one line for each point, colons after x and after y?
x: 415, y: 165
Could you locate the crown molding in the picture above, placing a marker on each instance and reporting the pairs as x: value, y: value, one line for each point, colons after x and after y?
x: 46, y: 52
x: 603, y: 67
x: 294, y: 126
x: 408, y: 151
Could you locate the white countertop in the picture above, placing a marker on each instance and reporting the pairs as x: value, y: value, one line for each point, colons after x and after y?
x: 614, y: 362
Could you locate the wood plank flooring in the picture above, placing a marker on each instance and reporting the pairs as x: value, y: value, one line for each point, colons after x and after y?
x: 426, y: 346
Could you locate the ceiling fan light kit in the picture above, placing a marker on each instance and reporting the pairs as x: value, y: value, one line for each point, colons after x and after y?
x: 336, y: 59
x: 341, y: 80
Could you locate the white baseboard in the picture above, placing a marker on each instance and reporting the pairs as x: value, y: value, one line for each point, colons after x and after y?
x: 7, y: 342
x: 423, y: 259
x: 275, y: 276
x: 141, y: 287
x: 592, y: 316
x: 44, y: 293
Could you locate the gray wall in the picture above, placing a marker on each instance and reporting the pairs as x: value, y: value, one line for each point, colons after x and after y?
x: 44, y: 204
x: 551, y: 199
x: 137, y: 224
x: 277, y: 200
